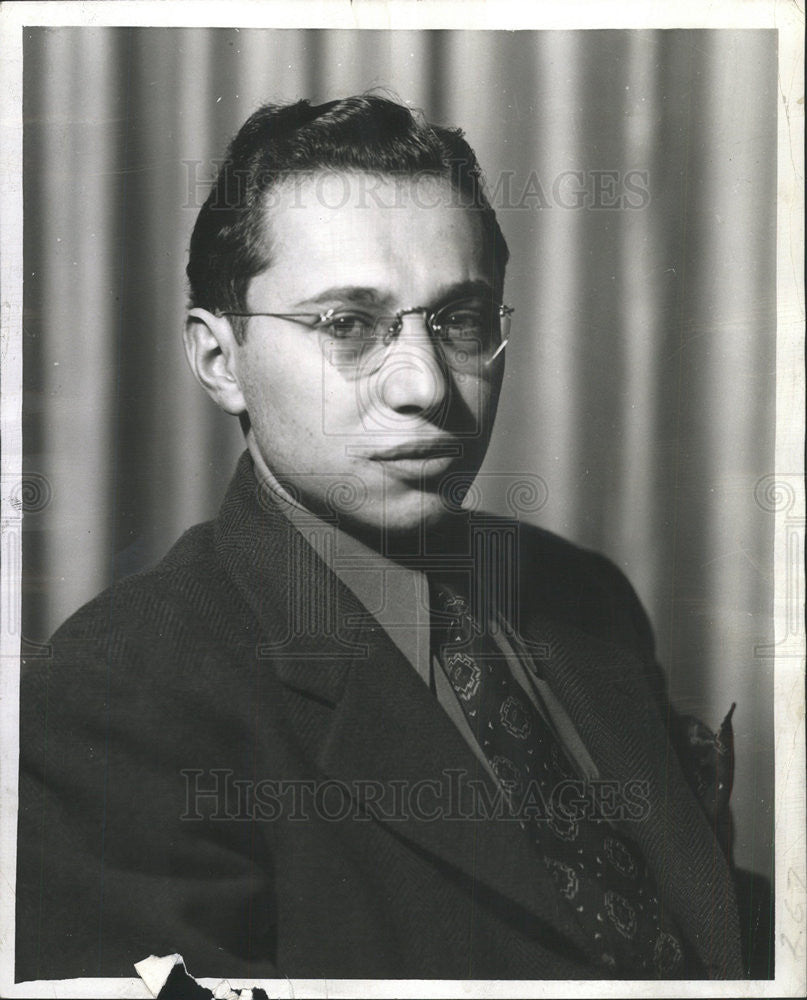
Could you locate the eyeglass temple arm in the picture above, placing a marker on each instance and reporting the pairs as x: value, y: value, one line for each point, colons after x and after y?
x: 503, y: 311
x: 294, y: 317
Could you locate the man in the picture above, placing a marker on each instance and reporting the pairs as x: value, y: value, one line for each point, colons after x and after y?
x: 348, y: 729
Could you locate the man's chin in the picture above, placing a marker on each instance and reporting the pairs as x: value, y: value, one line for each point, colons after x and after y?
x: 431, y: 515
x: 404, y: 517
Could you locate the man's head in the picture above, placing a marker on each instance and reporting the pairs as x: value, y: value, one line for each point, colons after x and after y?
x: 346, y: 228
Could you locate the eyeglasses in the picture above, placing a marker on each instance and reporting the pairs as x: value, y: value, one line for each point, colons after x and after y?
x: 470, y: 333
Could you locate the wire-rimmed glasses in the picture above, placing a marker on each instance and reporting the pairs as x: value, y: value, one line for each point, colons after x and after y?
x: 470, y: 333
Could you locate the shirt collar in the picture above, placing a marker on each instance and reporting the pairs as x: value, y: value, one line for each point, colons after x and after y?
x: 396, y: 595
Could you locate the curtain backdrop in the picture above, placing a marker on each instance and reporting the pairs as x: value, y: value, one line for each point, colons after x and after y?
x: 634, y: 173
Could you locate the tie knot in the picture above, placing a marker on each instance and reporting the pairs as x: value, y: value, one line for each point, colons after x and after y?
x: 448, y: 592
x: 451, y: 607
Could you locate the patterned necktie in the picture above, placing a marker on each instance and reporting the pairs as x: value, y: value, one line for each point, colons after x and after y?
x: 598, y: 872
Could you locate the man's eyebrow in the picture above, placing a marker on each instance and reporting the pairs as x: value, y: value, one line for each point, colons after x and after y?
x: 367, y: 295
x: 464, y: 289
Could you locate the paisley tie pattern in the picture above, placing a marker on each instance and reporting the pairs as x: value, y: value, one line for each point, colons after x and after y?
x: 599, y: 873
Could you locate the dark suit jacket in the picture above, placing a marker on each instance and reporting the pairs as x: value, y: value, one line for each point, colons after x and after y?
x: 205, y: 669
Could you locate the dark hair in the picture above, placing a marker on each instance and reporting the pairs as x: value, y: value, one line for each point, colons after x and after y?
x: 361, y: 134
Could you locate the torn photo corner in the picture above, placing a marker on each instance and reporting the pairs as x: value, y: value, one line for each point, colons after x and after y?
x: 167, y: 978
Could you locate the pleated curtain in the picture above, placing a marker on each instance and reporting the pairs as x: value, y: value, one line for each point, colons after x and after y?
x: 634, y: 174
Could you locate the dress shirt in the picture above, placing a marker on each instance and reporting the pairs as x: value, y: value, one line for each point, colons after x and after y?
x: 398, y: 597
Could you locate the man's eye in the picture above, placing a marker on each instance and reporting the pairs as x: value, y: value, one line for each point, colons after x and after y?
x: 351, y: 326
x: 463, y: 322
x: 463, y: 317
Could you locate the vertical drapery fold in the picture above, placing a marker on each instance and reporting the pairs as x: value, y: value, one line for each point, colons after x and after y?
x: 640, y: 379
x: 79, y: 205
x: 562, y: 340
x: 640, y: 278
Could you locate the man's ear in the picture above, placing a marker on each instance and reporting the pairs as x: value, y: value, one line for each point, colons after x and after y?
x: 211, y: 350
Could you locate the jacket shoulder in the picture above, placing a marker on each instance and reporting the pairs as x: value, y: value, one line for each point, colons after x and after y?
x: 582, y: 587
x: 182, y: 602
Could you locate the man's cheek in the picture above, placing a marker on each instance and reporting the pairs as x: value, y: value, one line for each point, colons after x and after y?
x: 346, y: 410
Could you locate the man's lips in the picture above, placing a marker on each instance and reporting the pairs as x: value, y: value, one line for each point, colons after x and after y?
x: 418, y: 461
x: 418, y: 450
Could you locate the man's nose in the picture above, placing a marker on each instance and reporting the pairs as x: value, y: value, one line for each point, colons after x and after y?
x: 413, y: 378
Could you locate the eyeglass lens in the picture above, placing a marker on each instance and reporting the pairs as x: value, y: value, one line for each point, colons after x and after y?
x: 467, y: 335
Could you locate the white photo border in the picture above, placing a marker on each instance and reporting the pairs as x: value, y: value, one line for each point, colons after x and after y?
x: 785, y: 16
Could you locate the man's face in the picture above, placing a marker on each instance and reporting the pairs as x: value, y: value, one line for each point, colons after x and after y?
x: 379, y: 447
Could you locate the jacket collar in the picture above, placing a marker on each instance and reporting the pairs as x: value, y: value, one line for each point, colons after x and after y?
x: 387, y: 727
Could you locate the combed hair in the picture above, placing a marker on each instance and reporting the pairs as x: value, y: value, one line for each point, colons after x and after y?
x: 366, y: 133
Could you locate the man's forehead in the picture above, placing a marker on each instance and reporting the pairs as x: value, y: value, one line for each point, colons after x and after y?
x: 372, y: 231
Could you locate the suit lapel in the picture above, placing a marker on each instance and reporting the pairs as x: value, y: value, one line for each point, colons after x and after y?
x: 387, y: 728
x: 604, y: 690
